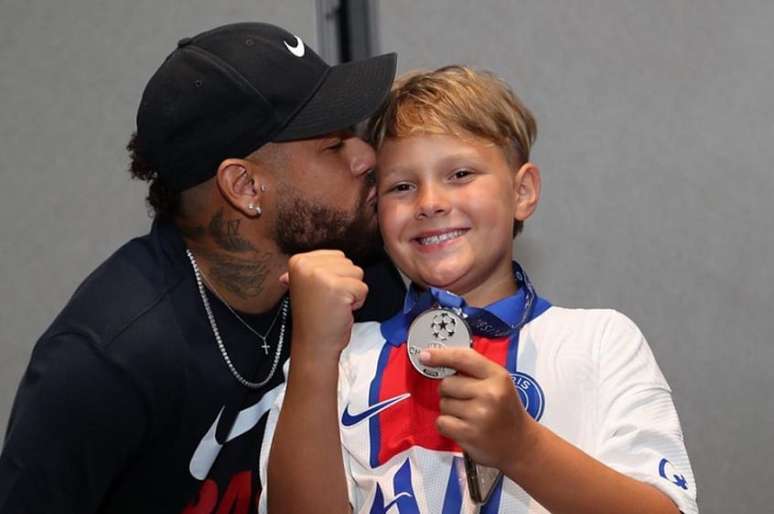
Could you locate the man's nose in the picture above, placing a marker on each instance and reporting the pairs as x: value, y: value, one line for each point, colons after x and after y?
x: 362, y: 156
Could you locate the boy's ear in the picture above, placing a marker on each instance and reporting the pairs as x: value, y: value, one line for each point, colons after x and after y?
x: 238, y: 181
x: 526, y: 191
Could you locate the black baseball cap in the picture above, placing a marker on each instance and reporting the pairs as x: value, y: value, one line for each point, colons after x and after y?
x: 228, y: 91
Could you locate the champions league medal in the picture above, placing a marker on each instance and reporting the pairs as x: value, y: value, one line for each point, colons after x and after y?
x: 436, y: 328
x: 444, y: 328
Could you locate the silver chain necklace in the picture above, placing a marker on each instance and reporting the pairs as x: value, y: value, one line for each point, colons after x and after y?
x: 263, y: 337
x: 219, y: 340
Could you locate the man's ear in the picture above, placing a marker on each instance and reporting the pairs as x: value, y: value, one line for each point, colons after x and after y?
x: 238, y: 181
x: 526, y: 191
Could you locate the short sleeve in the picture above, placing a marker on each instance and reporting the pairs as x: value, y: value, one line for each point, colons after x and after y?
x: 640, y: 432
x: 75, y: 424
x: 268, y: 437
x: 345, y: 377
x: 271, y: 425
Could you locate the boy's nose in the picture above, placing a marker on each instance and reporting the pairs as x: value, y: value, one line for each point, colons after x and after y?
x: 431, y: 202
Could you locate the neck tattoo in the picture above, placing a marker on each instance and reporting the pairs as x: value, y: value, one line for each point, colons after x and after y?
x: 211, y: 317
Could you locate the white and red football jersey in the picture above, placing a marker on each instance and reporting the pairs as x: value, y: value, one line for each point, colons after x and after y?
x: 587, y: 375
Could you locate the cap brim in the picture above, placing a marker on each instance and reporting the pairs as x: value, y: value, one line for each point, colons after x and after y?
x: 350, y: 93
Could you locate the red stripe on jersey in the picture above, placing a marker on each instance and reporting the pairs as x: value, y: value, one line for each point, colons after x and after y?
x: 412, y: 421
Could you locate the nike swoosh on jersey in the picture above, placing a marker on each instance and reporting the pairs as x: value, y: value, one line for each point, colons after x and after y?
x: 349, y: 420
x: 209, y: 448
x: 297, y: 50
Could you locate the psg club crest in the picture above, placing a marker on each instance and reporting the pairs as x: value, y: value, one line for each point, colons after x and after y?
x: 530, y: 394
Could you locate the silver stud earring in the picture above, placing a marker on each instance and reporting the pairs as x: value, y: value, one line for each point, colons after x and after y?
x: 262, y: 188
x: 255, y: 208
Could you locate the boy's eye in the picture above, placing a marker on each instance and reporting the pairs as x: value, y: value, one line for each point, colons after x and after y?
x: 399, y: 188
x: 461, y: 174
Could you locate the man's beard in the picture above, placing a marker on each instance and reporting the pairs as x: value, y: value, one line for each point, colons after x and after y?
x: 303, y: 226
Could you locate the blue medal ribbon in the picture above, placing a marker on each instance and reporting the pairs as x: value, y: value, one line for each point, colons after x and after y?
x: 500, y: 319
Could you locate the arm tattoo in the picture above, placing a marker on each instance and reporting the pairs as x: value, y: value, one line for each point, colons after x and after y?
x: 225, y: 233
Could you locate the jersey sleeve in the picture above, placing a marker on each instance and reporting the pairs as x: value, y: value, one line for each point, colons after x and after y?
x: 640, y: 432
x: 268, y: 437
x: 271, y: 425
x: 345, y: 379
x: 75, y: 424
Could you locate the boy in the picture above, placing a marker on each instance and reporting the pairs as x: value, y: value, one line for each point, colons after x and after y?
x: 569, y: 404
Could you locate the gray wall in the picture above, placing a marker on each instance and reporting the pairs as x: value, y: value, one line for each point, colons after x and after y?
x: 656, y: 133
x: 656, y: 129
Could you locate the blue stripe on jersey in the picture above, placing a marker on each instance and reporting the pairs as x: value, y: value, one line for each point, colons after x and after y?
x: 452, y: 502
x: 373, y: 398
x: 404, y: 491
x: 492, y: 506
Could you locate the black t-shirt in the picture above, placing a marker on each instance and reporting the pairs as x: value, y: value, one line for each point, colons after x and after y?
x: 127, y: 405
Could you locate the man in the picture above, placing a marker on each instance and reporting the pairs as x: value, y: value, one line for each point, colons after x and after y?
x: 148, y: 392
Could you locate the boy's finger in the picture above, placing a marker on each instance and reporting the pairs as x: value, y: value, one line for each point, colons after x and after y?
x: 460, y: 387
x: 452, y: 427
x: 453, y: 407
x: 464, y: 360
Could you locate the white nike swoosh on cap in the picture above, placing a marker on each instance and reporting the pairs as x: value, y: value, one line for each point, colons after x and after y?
x: 209, y: 448
x: 297, y: 50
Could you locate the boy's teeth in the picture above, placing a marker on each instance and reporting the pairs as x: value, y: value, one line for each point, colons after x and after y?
x: 431, y: 240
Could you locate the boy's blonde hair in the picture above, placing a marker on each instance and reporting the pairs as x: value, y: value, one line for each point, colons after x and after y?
x: 459, y: 101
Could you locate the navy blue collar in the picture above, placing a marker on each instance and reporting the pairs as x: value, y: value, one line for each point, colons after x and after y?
x: 509, y: 311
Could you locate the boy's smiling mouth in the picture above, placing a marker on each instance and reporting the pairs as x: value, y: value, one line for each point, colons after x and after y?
x: 438, y: 237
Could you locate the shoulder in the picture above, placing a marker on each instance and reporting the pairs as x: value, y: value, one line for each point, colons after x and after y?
x: 124, y: 290
x: 606, y: 337
x: 366, y: 338
x: 584, y: 325
x: 365, y: 346
x: 599, y: 319
x: 365, y: 331
x: 123, y: 319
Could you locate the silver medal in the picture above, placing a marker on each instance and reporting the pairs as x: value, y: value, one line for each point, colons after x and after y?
x: 436, y: 328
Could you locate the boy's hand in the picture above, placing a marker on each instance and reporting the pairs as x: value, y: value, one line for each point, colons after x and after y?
x: 325, y: 287
x: 480, y: 408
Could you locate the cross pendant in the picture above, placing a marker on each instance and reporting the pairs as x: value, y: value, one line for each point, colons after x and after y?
x: 265, y: 347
